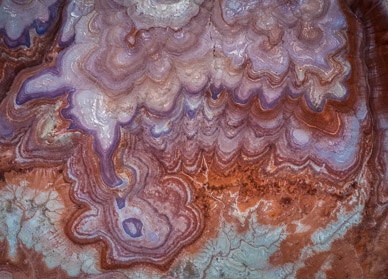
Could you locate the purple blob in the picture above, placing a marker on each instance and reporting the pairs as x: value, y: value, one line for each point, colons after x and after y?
x: 215, y: 91
x: 120, y: 201
x: 6, y: 129
x: 191, y: 113
x: 132, y: 227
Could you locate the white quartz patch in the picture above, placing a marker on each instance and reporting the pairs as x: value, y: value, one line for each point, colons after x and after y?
x: 161, y: 13
x: 91, y: 111
x: 74, y: 11
x: 246, y: 255
x: 239, y: 255
x: 300, y: 136
x: 34, y: 218
x: 14, y: 18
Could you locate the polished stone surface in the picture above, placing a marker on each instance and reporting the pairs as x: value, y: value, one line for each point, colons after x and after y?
x: 193, y: 139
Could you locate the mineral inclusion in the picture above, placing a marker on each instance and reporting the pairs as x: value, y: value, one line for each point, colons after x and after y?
x: 193, y: 139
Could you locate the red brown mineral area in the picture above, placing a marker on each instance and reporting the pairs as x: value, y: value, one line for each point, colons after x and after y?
x: 187, y: 139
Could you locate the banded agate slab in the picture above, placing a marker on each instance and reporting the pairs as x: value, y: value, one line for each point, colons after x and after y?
x: 193, y: 139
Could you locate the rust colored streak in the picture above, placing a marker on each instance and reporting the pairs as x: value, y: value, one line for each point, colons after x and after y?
x: 194, y: 139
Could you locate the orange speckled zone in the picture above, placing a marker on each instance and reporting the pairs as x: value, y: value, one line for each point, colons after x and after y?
x: 193, y: 139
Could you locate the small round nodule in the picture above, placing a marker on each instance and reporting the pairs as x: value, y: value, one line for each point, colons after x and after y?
x: 133, y: 227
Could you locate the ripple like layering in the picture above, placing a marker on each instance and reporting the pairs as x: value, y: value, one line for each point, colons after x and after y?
x: 193, y: 139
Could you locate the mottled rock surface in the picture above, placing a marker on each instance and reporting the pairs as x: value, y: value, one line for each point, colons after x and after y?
x: 193, y: 139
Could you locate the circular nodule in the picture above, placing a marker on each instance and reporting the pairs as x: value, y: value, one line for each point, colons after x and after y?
x: 133, y: 227
x: 311, y: 35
